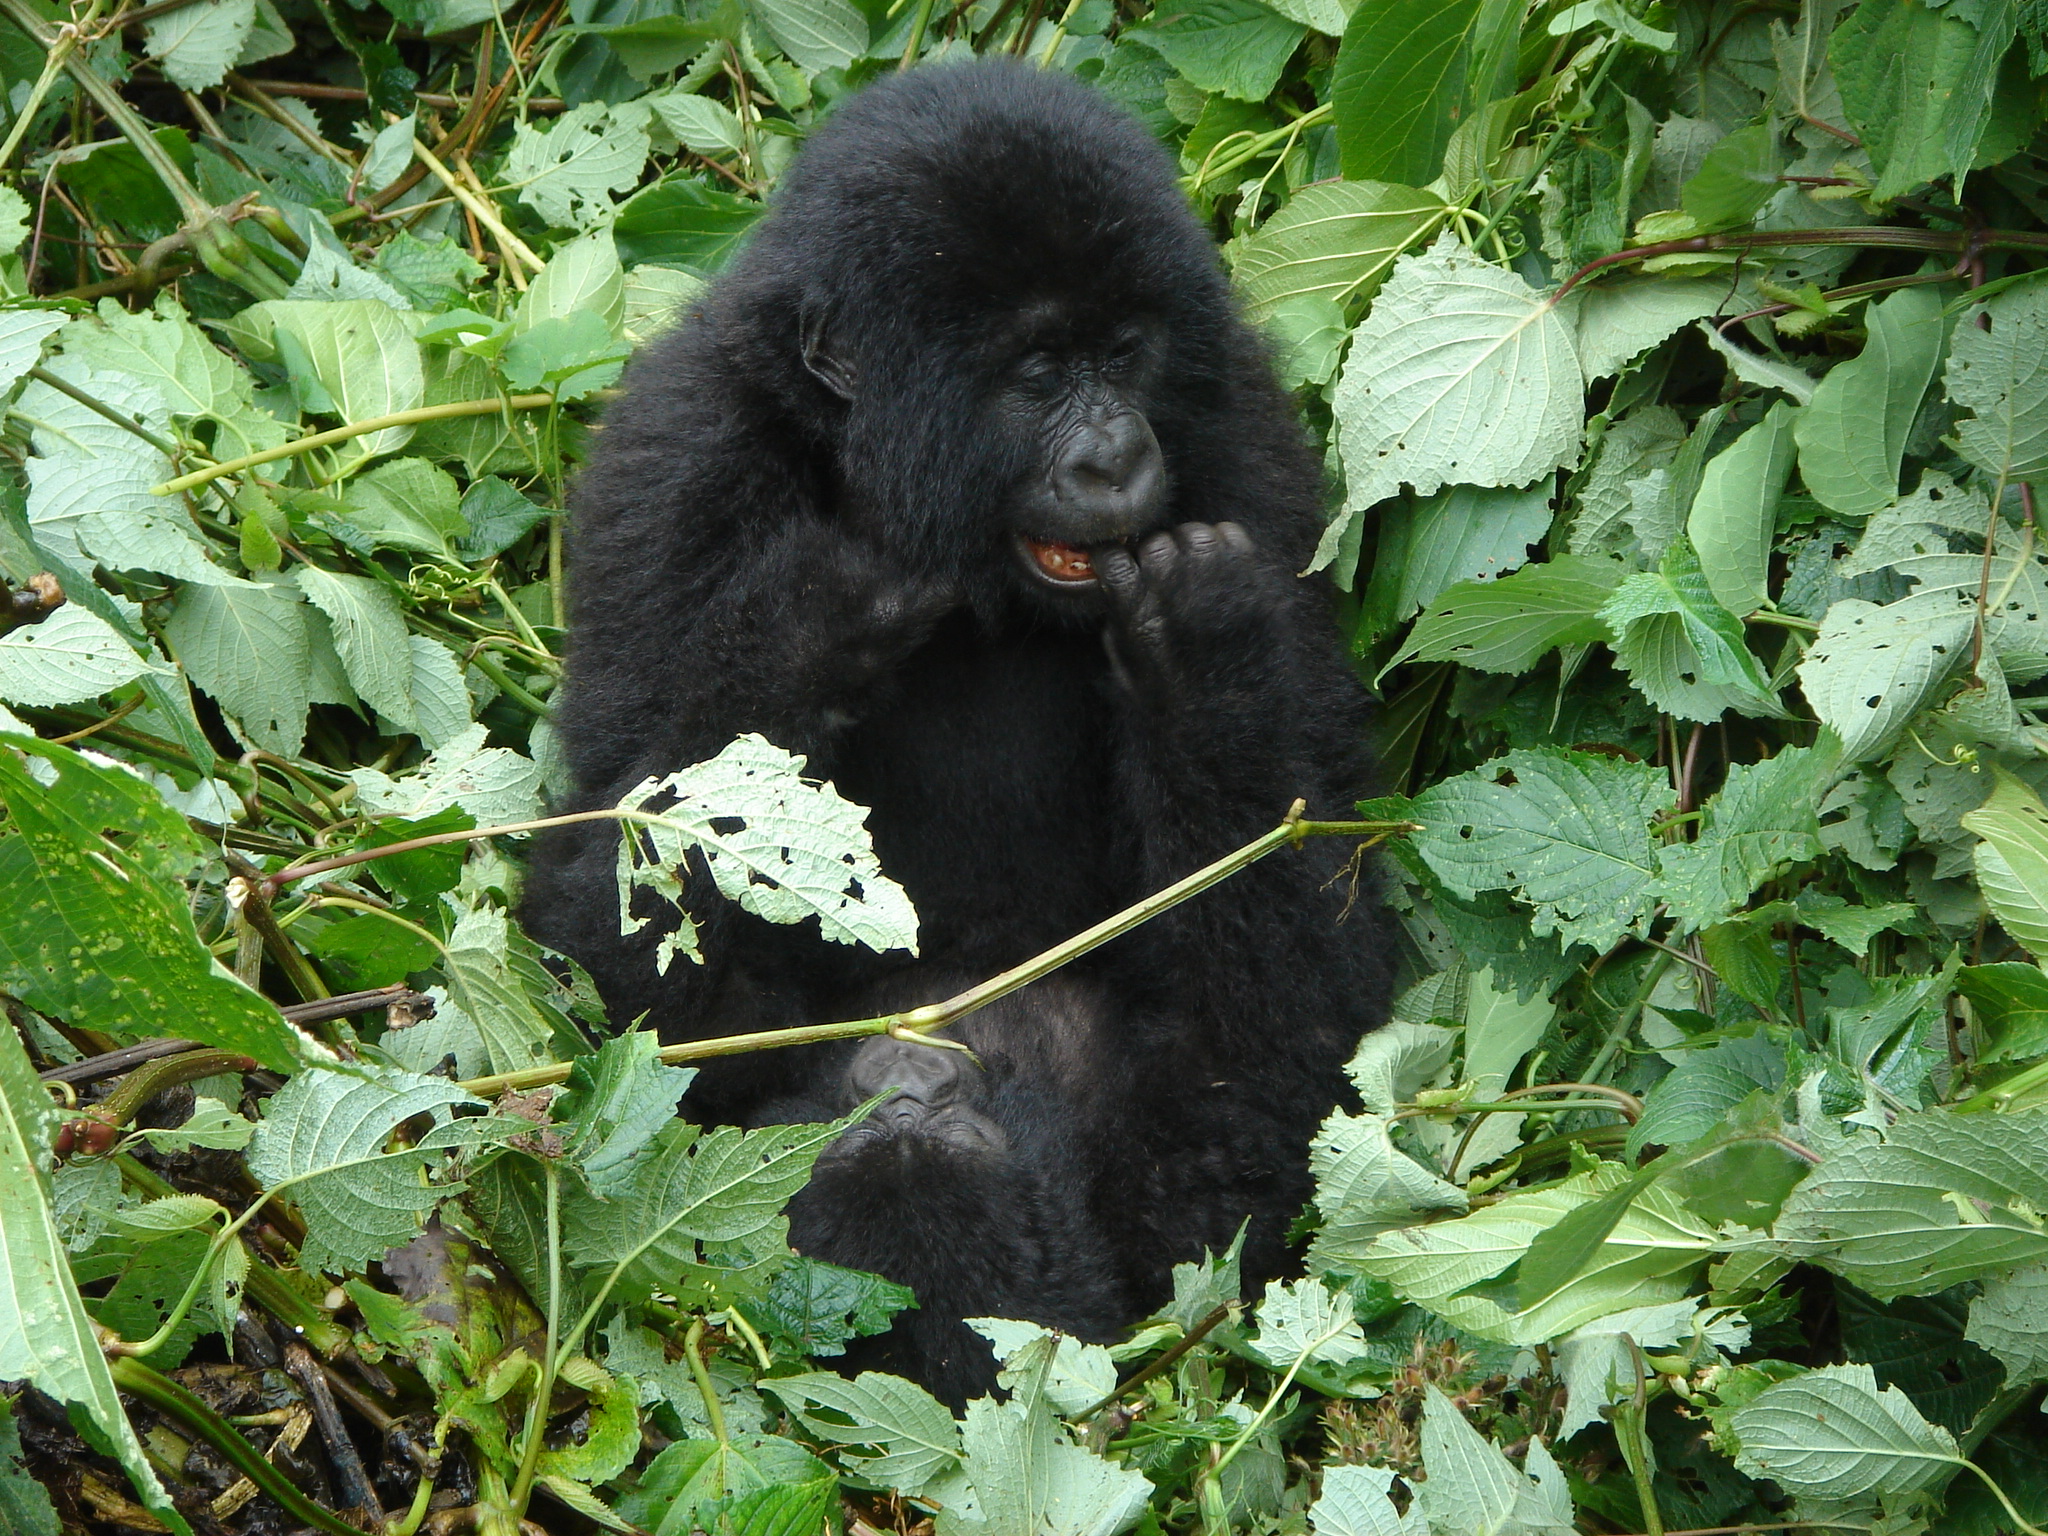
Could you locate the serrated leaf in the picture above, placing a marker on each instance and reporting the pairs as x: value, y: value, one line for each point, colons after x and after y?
x: 581, y: 277
x: 1852, y: 433
x: 1945, y: 1198
x: 1237, y: 47
x: 369, y: 634
x: 494, y: 784
x: 1833, y: 1434
x: 355, y: 358
x: 1473, y: 1487
x: 1615, y: 322
x: 99, y: 930
x: 22, y: 333
x: 1872, y: 669
x: 1681, y: 648
x: 800, y: 851
x: 159, y: 349
x: 706, y: 126
x: 1507, y: 624
x: 69, y: 657
x: 1734, y: 514
x: 2010, y: 1319
x: 2012, y: 859
x: 1698, y: 1093
x: 1567, y: 832
x: 1763, y: 819
x: 1462, y: 374
x: 248, y: 648
x: 196, y: 45
x: 1356, y: 1501
x: 1899, y: 66
x: 1398, y: 85
x: 818, y: 34
x: 46, y: 1337
x: 568, y: 173
x: 891, y: 1432
x: 2000, y: 376
x: 1365, y: 1185
x: 1027, y: 1479
x: 1463, y: 533
x: 325, y: 1133
x: 1335, y: 240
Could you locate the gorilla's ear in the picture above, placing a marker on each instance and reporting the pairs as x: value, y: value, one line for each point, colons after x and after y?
x: 826, y: 366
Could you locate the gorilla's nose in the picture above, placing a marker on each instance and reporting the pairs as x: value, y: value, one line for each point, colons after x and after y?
x: 1111, y: 473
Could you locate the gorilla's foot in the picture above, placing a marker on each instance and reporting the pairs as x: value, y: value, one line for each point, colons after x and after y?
x: 930, y: 1093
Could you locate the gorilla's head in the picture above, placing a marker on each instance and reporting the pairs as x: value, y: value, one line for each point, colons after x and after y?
x: 984, y: 295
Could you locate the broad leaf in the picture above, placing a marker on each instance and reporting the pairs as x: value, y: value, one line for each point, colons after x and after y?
x: 1398, y: 84
x: 2000, y: 375
x: 1833, y: 1434
x: 1872, y: 669
x: 1852, y: 433
x: 1462, y: 374
x: 71, y: 656
x: 1335, y: 240
x: 2012, y: 859
x: 1733, y: 516
x: 1506, y: 625
x: 891, y: 1432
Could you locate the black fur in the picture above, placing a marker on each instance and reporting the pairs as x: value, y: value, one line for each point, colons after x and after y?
x: 753, y: 552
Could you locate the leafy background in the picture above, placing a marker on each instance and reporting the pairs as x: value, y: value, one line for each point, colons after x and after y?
x: 1684, y: 382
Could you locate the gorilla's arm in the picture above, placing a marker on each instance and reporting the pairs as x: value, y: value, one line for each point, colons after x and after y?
x: 1235, y: 701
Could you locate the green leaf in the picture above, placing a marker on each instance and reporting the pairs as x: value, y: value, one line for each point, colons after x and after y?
x: 1567, y: 832
x: 407, y: 504
x: 160, y: 349
x: 1734, y: 514
x: 818, y: 34
x: 566, y: 174
x: 1463, y: 533
x: 1852, y: 434
x: 2008, y: 1010
x: 1236, y: 47
x: 25, y: 1506
x: 45, y: 1336
x: 248, y: 648
x: 1027, y: 1479
x: 494, y: 784
x: 1356, y: 1501
x: 325, y: 1134
x: 69, y: 657
x: 1764, y: 819
x: 890, y: 1432
x: 358, y: 359
x: 369, y: 632
x: 1472, y: 1486
x: 1696, y: 1096
x: 1738, y: 176
x: 2010, y: 1319
x: 1900, y: 65
x: 817, y: 1307
x: 22, y: 332
x: 1945, y: 1198
x: 1507, y: 624
x: 683, y: 222
x: 1679, y: 646
x: 1306, y: 1321
x: 2000, y: 375
x: 1872, y: 669
x: 1563, y: 1251
x: 569, y: 356
x: 2012, y: 859
x: 498, y: 516
x: 1398, y: 85
x: 1615, y: 322
x: 719, y: 1485
x: 1335, y: 240
x: 196, y: 45
x: 706, y: 126
x: 582, y: 277
x: 1462, y: 374
x: 1833, y: 1434
x: 799, y: 850
x: 1366, y: 1186
x: 99, y: 929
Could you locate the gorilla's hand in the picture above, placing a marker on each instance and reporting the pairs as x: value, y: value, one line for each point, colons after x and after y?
x: 1191, y: 607
x: 868, y: 615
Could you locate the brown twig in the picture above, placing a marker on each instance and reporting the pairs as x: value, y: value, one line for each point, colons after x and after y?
x: 1187, y: 1341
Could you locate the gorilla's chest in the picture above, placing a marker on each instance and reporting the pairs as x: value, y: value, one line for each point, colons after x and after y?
x: 989, y: 781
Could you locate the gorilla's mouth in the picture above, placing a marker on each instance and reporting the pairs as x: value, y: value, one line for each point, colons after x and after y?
x: 1066, y: 565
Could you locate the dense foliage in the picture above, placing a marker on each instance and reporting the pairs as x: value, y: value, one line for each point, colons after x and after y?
x: 1685, y: 385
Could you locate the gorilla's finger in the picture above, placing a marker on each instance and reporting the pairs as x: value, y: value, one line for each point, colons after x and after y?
x: 1158, y: 554
x: 1197, y: 538
x: 1234, y: 535
x: 1118, y: 572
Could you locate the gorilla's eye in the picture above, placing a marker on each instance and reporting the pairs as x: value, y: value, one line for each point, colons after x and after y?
x: 1123, y: 352
x: 1038, y: 368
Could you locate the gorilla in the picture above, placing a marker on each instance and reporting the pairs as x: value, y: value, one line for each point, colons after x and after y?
x: 966, y: 481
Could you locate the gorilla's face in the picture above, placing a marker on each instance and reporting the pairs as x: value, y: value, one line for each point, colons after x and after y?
x: 1075, y: 417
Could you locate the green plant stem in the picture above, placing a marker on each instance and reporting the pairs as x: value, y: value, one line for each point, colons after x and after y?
x: 151, y: 1079
x: 1166, y: 1361
x: 915, y: 46
x: 917, y: 1023
x: 172, y: 1400
x: 411, y: 927
x: 693, y: 1351
x: 126, y: 423
x: 1550, y: 148
x: 67, y: 42
x: 1626, y: 1021
x: 333, y: 435
x: 1999, y: 1494
x: 486, y: 215
x: 511, y: 688
x: 551, y: 1356
x: 1870, y: 236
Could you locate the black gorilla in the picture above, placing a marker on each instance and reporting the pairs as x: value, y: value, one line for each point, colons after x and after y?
x: 967, y: 483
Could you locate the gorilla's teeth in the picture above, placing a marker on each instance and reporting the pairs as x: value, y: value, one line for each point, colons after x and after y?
x: 1063, y: 562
